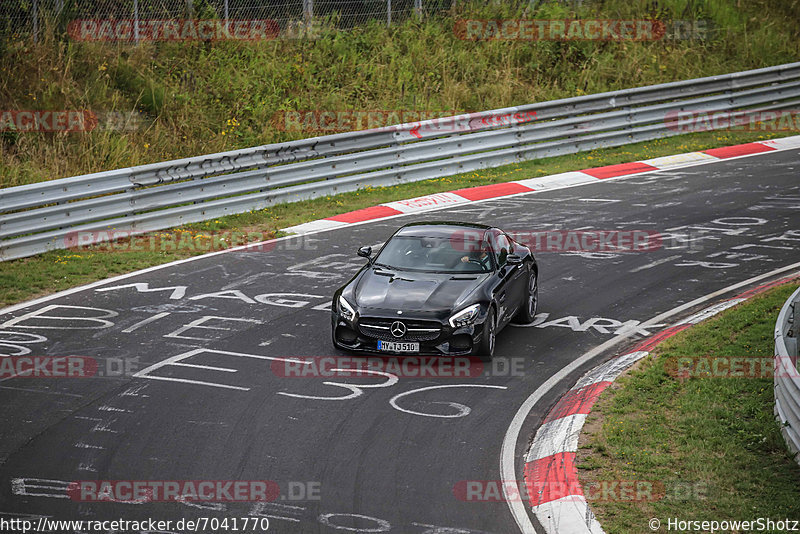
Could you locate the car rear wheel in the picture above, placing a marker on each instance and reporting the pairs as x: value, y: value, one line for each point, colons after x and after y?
x: 486, y: 346
x: 527, y: 311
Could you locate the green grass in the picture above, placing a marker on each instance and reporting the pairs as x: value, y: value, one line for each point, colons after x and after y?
x: 712, y: 445
x: 198, y: 98
x: 27, y: 278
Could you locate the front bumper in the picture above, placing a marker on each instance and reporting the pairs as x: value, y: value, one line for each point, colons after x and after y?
x: 363, y: 333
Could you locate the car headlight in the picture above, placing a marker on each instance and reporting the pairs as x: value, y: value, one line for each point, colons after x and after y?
x: 465, y: 316
x: 345, y: 309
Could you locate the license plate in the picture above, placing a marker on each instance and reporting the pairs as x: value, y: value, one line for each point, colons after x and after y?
x: 398, y: 346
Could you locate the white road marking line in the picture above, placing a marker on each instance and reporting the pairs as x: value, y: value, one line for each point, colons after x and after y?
x: 654, y: 263
x: 463, y: 410
x: 281, y: 505
x: 178, y: 292
x: 508, y: 448
x: 102, y: 320
x: 355, y: 391
x: 176, y: 361
x: 284, y: 518
x: 145, y: 322
x: 20, y: 486
x: 200, y: 324
x: 103, y: 427
x: 134, y: 391
x: 207, y: 367
x: 196, y: 382
x: 260, y: 510
x: 113, y: 409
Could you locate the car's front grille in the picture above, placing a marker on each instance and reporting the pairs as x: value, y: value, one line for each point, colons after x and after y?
x: 378, y: 328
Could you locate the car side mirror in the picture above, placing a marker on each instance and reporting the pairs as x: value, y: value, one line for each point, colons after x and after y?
x: 513, y: 259
x: 365, y: 252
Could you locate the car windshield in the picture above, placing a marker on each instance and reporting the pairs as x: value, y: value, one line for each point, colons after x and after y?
x: 434, y: 254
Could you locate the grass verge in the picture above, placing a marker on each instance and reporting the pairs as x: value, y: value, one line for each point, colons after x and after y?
x: 39, y: 275
x: 710, y: 446
x: 159, y: 101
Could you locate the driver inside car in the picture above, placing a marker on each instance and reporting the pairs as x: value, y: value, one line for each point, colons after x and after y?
x: 478, y: 256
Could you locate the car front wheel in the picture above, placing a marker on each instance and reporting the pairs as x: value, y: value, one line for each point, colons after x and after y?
x: 486, y: 346
x: 527, y: 311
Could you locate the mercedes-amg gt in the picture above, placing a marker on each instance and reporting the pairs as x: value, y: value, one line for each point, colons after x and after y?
x: 436, y: 288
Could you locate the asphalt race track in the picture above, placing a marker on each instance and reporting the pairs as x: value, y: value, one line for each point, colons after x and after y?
x: 369, y: 463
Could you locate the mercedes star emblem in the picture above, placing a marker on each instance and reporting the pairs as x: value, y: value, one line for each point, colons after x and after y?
x: 398, y: 329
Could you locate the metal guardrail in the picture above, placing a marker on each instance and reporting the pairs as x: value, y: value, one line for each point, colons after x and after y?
x: 787, y: 378
x: 48, y: 215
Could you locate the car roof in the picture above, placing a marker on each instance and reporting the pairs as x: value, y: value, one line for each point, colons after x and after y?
x: 438, y: 228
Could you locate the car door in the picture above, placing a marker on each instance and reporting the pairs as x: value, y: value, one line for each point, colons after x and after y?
x: 507, y: 292
x: 517, y: 284
x: 519, y: 276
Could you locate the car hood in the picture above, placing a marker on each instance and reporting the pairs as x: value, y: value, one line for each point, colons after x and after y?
x: 405, y: 290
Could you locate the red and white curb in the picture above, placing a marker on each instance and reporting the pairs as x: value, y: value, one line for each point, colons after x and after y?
x: 551, y: 477
x: 555, y: 181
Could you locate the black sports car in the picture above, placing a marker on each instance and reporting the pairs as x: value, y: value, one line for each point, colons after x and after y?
x: 443, y: 288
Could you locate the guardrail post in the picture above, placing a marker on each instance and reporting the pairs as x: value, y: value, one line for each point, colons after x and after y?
x: 308, y: 12
x: 388, y: 12
x: 418, y: 8
x: 227, y: 23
